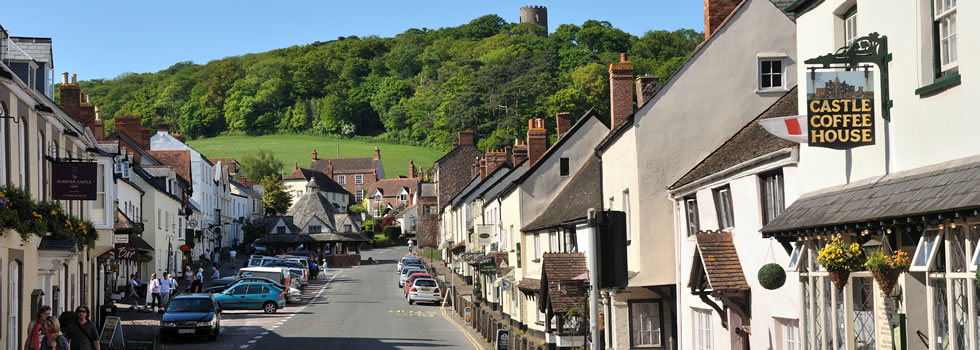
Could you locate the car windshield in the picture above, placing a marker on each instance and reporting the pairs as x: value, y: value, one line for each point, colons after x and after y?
x: 411, y: 261
x: 190, y: 305
x: 424, y: 283
x: 296, y: 273
x: 409, y: 272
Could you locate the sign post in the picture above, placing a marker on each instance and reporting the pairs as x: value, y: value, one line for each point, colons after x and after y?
x: 112, y: 334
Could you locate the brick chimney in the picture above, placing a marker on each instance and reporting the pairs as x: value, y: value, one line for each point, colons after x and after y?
x: 314, y: 155
x: 537, y: 139
x: 715, y: 12
x: 377, y: 153
x: 295, y: 165
x: 180, y: 137
x: 465, y: 138
x: 563, y: 122
x: 70, y: 96
x: 163, y: 126
x: 330, y: 168
x: 483, y: 168
x: 620, y: 90
x: 475, y: 168
x: 129, y: 126
x: 646, y: 86
x: 411, y: 169
x: 520, y: 152
x: 145, y: 135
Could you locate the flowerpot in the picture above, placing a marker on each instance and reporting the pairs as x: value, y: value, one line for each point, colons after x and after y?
x: 886, y: 278
x: 839, y: 278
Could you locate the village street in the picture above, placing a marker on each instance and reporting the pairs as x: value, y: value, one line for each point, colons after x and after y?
x: 357, y: 308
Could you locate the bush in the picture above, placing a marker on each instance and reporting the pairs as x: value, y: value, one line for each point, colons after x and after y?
x: 772, y: 276
x: 381, y: 239
x: 392, y: 232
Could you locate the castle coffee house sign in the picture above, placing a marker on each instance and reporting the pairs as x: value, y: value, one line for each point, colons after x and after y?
x: 73, y: 180
x: 840, y: 109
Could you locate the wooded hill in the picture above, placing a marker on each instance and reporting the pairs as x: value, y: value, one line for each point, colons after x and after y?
x: 418, y: 87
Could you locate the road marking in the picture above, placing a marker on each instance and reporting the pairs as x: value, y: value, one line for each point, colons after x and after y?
x: 243, y: 347
x: 461, y: 330
x: 264, y: 333
x: 252, y: 341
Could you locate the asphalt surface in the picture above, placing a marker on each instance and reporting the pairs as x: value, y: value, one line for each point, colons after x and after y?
x: 354, y: 308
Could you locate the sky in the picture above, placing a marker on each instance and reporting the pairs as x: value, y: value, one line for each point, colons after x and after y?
x: 105, y: 38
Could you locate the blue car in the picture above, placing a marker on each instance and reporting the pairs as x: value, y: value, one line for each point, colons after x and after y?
x: 191, y: 315
x: 251, y: 296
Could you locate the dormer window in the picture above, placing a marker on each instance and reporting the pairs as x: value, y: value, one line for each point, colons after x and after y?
x: 403, y: 197
x: 315, y: 229
x: 281, y: 230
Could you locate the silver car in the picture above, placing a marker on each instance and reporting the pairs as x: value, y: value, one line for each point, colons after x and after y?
x: 424, y: 290
x: 408, y: 259
x: 403, y: 276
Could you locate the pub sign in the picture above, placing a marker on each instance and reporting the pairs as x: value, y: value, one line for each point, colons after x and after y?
x: 74, y: 180
x: 840, y: 109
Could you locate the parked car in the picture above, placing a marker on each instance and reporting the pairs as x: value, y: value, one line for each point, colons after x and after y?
x: 252, y: 296
x: 259, y: 248
x: 418, y: 266
x: 278, y: 274
x: 407, y: 271
x: 293, y: 296
x: 300, y: 275
x: 191, y: 315
x: 412, y: 277
x: 424, y: 290
x: 408, y: 259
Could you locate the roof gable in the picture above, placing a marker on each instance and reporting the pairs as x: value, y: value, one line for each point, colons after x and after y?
x: 590, y: 114
x: 582, y: 192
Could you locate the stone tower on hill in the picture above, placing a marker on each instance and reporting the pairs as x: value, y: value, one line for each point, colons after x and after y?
x: 535, y: 14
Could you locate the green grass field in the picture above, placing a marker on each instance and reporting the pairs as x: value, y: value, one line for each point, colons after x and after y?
x: 299, y: 148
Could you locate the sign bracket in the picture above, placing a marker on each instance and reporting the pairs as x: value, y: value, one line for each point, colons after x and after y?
x: 873, y: 49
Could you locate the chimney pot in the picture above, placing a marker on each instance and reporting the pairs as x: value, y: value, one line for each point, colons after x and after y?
x: 64, y: 78
x: 537, y: 139
x: 295, y: 165
x: 377, y: 153
x: 74, y: 78
x: 465, y: 137
x: 314, y: 155
x: 622, y: 57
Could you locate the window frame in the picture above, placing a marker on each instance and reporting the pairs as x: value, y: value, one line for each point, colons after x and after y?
x: 315, y: 229
x: 717, y: 194
x: 563, y: 167
x: 537, y: 247
x: 358, y: 196
x: 358, y: 179
x: 626, y: 209
x: 767, y: 197
x: 797, y: 256
x: 281, y: 230
x: 936, y: 235
x: 762, y: 74
x: 659, y: 343
x: 708, y: 328
x: 342, y: 179
x: 850, y: 16
x: 938, y: 16
x: 692, y: 228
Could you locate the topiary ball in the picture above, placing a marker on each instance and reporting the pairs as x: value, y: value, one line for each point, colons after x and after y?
x: 772, y: 276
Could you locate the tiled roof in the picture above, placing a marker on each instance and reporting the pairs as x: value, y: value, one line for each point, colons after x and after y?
x: 312, y: 204
x: 939, y: 188
x: 561, y: 272
x: 346, y: 165
x: 247, y: 190
x: 501, y: 186
x: 325, y: 182
x: 123, y: 222
x: 391, y: 187
x: 591, y: 113
x: 530, y: 284
x: 582, y: 192
x: 750, y: 142
x: 179, y: 160
x: 38, y: 48
x: 717, y: 259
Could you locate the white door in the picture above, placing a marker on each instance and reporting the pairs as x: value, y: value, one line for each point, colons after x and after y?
x: 13, y: 323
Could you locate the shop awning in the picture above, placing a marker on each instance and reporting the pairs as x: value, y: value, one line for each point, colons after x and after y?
x: 529, y: 285
x: 140, y: 243
x: 561, y: 289
x: 286, y: 239
x: 944, y: 190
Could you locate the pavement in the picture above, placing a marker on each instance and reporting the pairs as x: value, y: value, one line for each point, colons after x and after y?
x: 352, y: 308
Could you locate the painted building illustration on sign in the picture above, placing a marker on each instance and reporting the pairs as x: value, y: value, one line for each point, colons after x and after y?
x: 840, y: 109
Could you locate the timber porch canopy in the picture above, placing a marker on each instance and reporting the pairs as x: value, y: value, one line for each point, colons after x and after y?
x: 717, y: 272
x: 949, y: 190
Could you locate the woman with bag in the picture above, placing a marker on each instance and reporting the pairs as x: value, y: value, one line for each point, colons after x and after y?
x: 82, y: 334
x: 154, y: 288
x: 53, y: 340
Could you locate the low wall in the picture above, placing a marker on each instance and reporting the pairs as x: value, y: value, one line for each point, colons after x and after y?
x: 342, y: 259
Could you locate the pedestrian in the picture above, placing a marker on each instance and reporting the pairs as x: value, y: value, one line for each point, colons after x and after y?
x: 53, y: 340
x: 187, y: 273
x: 313, y: 270
x: 173, y: 285
x: 207, y: 256
x: 165, y: 290
x: 409, y: 245
x: 214, y: 274
x: 233, y: 254
x: 196, y: 286
x: 200, y: 274
x: 82, y: 334
x: 34, y: 328
x: 154, y: 288
x: 217, y: 259
x: 134, y: 283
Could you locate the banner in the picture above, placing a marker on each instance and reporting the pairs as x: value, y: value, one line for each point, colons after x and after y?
x: 74, y: 181
x: 840, y: 109
x: 788, y: 128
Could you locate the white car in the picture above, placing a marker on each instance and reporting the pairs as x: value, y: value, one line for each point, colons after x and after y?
x: 408, y: 259
x: 424, y: 290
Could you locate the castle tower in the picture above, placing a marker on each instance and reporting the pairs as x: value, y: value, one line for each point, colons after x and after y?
x: 535, y: 14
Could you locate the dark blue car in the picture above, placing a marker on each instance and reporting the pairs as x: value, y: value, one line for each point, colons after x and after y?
x: 191, y: 315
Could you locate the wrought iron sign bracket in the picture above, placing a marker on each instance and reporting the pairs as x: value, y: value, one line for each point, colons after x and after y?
x: 873, y: 49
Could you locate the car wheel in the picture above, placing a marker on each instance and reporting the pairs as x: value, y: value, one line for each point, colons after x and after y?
x: 410, y: 302
x: 269, y: 307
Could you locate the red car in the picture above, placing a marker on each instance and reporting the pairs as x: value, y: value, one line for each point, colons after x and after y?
x: 412, y: 277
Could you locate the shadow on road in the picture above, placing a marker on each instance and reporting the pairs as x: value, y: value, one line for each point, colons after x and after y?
x: 344, y: 343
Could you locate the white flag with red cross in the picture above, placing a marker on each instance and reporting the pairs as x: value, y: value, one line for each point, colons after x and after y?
x: 792, y: 128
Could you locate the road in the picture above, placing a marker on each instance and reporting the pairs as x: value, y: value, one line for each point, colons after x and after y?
x: 355, y: 308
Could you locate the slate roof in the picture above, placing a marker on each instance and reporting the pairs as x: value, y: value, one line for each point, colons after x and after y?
x: 39, y: 49
x: 716, y: 258
x: 471, y: 193
x: 391, y: 187
x: 272, y: 221
x: 591, y: 113
x: 454, y: 169
x: 338, y: 237
x: 143, y: 153
x: 180, y: 160
x: 939, y: 188
x: 582, y: 192
x: 750, y: 142
x: 346, y: 165
x: 559, y: 272
x: 247, y: 190
x: 506, y: 183
x: 325, y: 182
x: 312, y: 204
x: 458, y: 199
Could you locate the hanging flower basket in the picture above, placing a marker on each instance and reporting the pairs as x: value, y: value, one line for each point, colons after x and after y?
x: 886, y: 268
x: 839, y: 259
x: 839, y: 278
x: 772, y: 276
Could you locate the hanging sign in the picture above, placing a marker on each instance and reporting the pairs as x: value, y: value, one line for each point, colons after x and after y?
x: 73, y: 181
x: 840, y: 109
x: 488, y: 266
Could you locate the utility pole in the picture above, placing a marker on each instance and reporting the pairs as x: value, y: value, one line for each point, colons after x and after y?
x: 593, y: 255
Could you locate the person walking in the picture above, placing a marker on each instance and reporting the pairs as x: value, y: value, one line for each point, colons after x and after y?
x: 214, y: 274
x: 82, y: 334
x: 173, y: 285
x: 410, y: 246
x: 187, y: 273
x: 217, y: 258
x: 165, y: 290
x: 53, y: 340
x: 34, y: 330
x: 200, y: 274
x: 154, y: 289
x: 233, y: 254
x: 196, y: 286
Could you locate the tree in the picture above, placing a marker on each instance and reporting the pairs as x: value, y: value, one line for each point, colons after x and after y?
x: 253, y: 230
x: 274, y: 195
x: 261, y: 165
